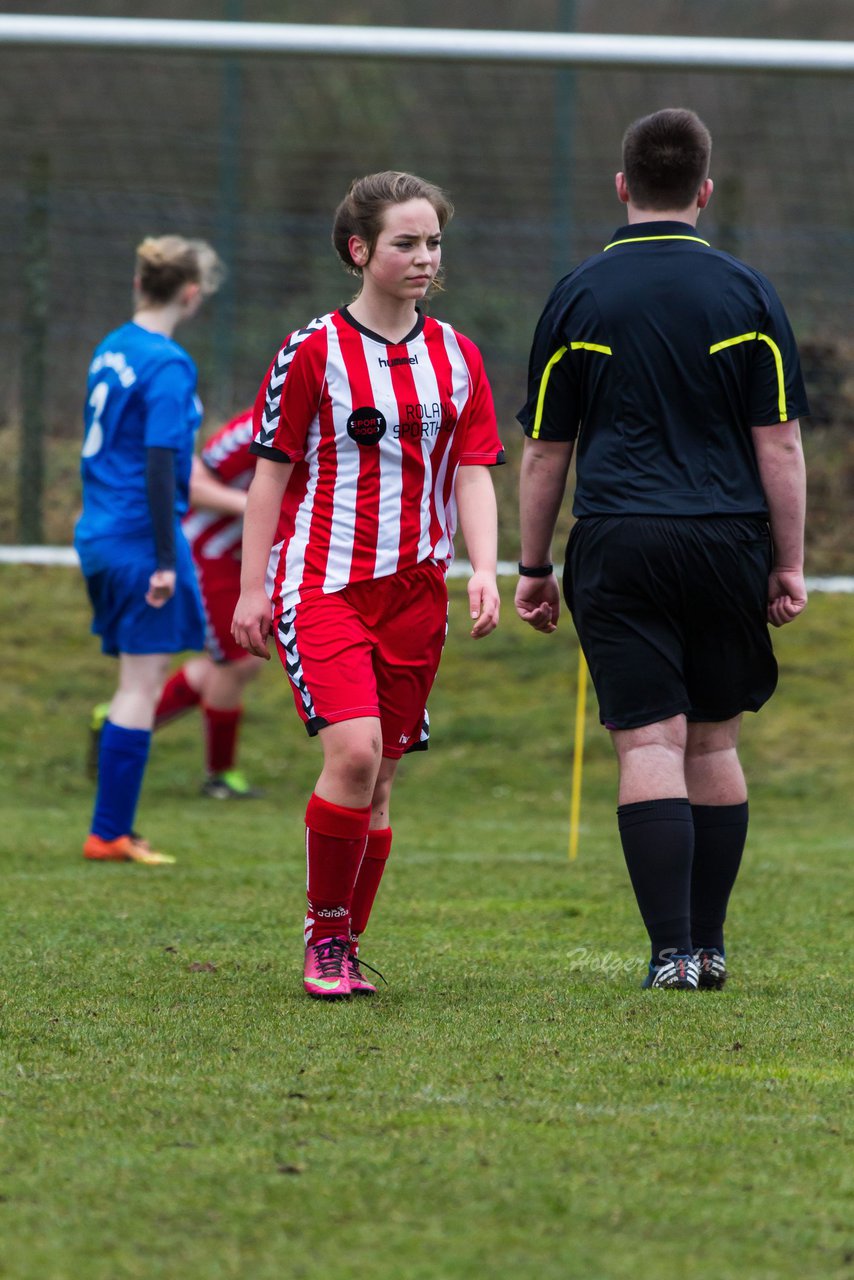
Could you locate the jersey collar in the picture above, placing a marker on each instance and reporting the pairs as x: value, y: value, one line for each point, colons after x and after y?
x: 378, y: 337
x: 645, y: 232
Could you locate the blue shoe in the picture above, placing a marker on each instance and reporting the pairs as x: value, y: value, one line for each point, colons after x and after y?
x: 679, y: 972
x: 712, y: 964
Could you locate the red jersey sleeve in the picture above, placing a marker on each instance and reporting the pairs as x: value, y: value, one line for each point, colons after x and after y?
x: 288, y: 398
x: 477, y: 425
x: 227, y: 452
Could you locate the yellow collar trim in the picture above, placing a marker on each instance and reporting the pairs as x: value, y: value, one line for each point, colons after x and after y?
x: 636, y: 239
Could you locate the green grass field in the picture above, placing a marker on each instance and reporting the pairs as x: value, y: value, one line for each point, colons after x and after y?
x: 512, y: 1105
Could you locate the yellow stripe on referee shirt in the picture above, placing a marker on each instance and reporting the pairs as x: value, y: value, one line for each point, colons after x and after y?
x: 778, y: 362
x: 561, y: 351
x: 638, y: 239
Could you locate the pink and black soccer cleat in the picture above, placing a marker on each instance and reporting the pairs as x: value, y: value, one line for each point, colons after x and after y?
x: 326, y: 973
x: 359, y: 984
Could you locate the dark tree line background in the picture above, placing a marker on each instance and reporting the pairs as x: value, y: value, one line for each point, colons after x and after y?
x: 99, y: 149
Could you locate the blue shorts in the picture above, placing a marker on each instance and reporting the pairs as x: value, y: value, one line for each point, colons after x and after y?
x: 117, y: 575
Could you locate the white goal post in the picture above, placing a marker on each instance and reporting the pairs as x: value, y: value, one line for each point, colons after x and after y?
x: 555, y: 49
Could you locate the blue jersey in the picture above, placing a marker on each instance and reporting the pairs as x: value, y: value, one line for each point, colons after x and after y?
x: 141, y: 394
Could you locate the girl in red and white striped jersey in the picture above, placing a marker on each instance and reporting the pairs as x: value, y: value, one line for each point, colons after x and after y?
x: 375, y: 429
x: 215, y: 682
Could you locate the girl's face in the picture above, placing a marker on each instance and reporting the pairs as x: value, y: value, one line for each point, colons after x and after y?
x: 407, y: 253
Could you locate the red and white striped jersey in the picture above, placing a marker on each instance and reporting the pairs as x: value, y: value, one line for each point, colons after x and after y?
x: 210, y: 534
x: 377, y: 431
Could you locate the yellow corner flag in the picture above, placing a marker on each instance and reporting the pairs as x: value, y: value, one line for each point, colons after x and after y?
x: 578, y: 756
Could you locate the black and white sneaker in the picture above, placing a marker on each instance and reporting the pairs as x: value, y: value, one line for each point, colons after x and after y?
x: 679, y: 972
x: 712, y: 965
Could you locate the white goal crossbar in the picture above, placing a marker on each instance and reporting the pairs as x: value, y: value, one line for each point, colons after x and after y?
x: 686, y: 53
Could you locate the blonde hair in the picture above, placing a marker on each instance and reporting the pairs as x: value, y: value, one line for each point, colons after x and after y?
x: 361, y: 211
x: 165, y: 263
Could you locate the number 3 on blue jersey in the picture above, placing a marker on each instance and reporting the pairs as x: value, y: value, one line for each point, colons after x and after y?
x: 95, y: 433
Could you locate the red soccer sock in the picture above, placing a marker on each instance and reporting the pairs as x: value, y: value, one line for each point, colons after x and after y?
x: 368, y: 880
x: 221, y: 731
x: 177, y: 698
x: 334, y: 846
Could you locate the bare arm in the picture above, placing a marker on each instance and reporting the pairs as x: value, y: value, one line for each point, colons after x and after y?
x: 210, y: 494
x: 780, y: 457
x: 251, y: 624
x: 542, y: 484
x: 479, y: 526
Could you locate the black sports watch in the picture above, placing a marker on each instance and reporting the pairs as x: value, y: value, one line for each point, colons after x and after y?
x: 535, y: 571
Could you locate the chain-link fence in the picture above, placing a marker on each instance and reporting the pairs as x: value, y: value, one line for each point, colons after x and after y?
x: 102, y: 148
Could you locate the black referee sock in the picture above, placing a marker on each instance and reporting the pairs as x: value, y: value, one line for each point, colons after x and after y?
x: 658, y: 844
x: 720, y: 831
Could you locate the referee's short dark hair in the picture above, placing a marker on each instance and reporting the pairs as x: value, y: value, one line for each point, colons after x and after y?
x: 666, y: 158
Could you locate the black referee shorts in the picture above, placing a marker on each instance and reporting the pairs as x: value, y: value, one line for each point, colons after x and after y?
x: 671, y: 615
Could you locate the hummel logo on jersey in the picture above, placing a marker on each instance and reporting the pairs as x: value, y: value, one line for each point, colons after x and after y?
x: 403, y: 739
x: 396, y: 360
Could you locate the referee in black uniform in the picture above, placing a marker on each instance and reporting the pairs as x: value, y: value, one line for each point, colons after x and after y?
x: 674, y: 367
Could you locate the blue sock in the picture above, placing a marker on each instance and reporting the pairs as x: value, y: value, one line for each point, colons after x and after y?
x: 122, y: 757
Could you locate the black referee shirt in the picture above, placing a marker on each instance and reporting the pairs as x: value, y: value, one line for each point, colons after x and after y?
x: 660, y: 354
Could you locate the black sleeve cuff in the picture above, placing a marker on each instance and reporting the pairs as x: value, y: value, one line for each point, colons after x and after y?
x: 267, y: 451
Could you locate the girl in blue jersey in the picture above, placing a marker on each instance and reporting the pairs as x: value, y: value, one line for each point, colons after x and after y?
x: 141, y: 416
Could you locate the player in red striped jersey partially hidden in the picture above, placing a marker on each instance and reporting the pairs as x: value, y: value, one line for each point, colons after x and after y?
x: 375, y: 429
x: 215, y: 682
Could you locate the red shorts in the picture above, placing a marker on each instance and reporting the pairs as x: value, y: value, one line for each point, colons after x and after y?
x: 371, y: 649
x: 219, y: 583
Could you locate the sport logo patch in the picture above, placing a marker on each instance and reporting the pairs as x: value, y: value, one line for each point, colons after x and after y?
x: 366, y: 426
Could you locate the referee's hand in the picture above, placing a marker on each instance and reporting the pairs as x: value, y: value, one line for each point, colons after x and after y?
x: 787, y: 596
x: 538, y: 602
